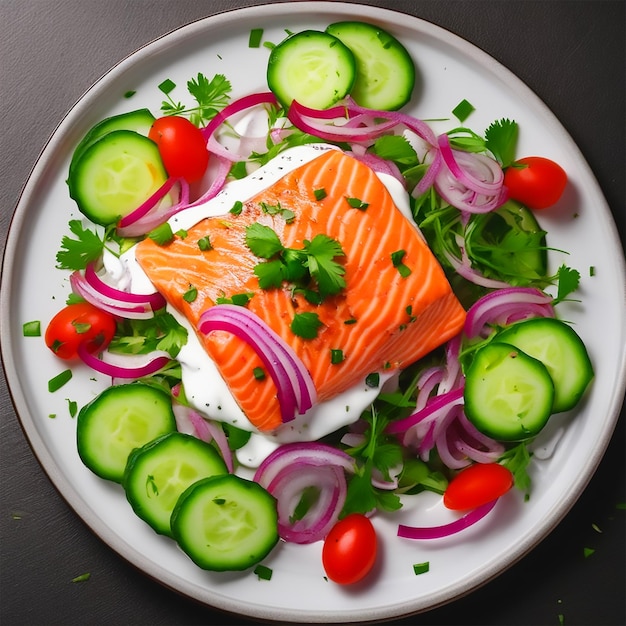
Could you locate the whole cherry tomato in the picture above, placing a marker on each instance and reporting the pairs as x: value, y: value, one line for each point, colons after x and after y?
x: 181, y: 146
x: 476, y: 485
x: 349, y: 550
x: 77, y: 324
x: 536, y: 182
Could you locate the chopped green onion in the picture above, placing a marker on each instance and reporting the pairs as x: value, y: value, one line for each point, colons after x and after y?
x: 72, y: 406
x: 191, y: 294
x: 588, y: 552
x: 167, y: 85
x: 130, y: 93
x: 32, y: 329
x: 336, y: 356
x: 205, y: 244
x: 319, y: 194
x: 182, y: 233
x: 254, y: 41
x: 350, y: 321
x: 81, y: 578
x: 396, y: 259
x: 263, y: 572
x: 236, y: 208
x: 463, y: 110
x: 372, y: 380
x: 54, y: 384
x: 162, y: 234
x: 258, y: 373
x: 356, y: 203
x: 421, y: 568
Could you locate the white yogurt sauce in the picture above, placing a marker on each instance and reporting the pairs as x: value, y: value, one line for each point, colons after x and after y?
x: 205, y: 388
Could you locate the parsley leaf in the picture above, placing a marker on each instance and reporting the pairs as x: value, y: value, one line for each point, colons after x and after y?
x: 568, y: 280
x: 76, y: 254
x: 306, y: 325
x: 328, y: 274
x: 263, y: 241
x: 517, y: 459
x: 501, y: 140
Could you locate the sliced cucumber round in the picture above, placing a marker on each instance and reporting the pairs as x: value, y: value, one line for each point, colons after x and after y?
x: 311, y: 67
x: 508, y: 394
x: 561, y: 350
x: 158, y: 473
x: 139, y: 121
x: 120, y: 419
x: 385, y: 70
x: 225, y: 523
x: 115, y: 175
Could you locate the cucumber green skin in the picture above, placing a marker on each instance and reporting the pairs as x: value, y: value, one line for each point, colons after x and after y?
x: 120, y: 419
x: 561, y: 350
x: 508, y: 394
x: 203, y: 511
x: 96, y: 160
x: 158, y: 473
x: 139, y: 121
x: 311, y: 67
x: 385, y: 70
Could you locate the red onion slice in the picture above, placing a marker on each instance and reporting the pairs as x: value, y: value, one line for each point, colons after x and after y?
x: 295, y: 388
x: 120, y: 371
x: 437, y: 532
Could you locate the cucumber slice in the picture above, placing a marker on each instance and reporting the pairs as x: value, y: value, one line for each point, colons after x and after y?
x: 508, y: 394
x: 311, y: 67
x: 115, y: 175
x: 139, y: 121
x: 225, y: 523
x: 158, y: 473
x: 385, y: 70
x: 120, y: 419
x: 561, y: 350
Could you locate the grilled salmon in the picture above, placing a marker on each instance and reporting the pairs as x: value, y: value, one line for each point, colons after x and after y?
x: 383, y: 319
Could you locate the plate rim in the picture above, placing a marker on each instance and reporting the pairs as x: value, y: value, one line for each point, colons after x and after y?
x: 37, y: 444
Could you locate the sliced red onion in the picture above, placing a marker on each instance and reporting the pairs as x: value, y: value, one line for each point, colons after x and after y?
x: 295, y: 388
x: 504, y: 305
x: 428, y: 180
x: 382, y: 166
x: 437, y: 532
x: 453, y: 375
x: 149, y: 204
x: 123, y: 371
x: 130, y: 310
x: 295, y: 467
x: 463, y: 268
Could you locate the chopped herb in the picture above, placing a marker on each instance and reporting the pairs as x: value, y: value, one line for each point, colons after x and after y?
x: 162, y: 235
x: 517, y: 460
x: 561, y: 619
x: 276, y: 209
x: 588, y: 552
x: 254, y: 41
x: 52, y: 416
x: 373, y: 380
x: 501, y: 141
x: 205, y: 243
x: 568, y: 281
x: 621, y: 506
x: 32, y: 329
x: 336, y: 356
x: 463, y: 110
x: 263, y: 241
x: 592, y: 270
x: 191, y: 294
x: 356, y: 203
x: 421, y: 568
x: 319, y: 194
x: 352, y: 320
x: 129, y: 94
x: 76, y: 254
x: 258, y: 373
x: 210, y: 95
x: 236, y: 208
x: 263, y: 572
x: 240, y: 299
x: 306, y: 325
x: 237, y: 437
x: 396, y: 259
x: 82, y: 578
x: 182, y: 233
x: 72, y: 406
x: 596, y: 528
x: 55, y: 383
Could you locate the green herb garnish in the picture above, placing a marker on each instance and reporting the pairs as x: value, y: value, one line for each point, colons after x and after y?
x: 55, y: 383
x: 32, y: 329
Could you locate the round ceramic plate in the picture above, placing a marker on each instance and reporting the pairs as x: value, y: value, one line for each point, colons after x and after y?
x: 449, y: 70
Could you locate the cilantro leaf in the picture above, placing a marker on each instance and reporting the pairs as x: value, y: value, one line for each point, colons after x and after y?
x: 517, y: 459
x: 76, y: 254
x: 568, y: 281
x: 263, y: 241
x: 270, y: 274
x: 211, y: 95
x: 306, y: 325
x: 328, y: 274
x: 501, y: 141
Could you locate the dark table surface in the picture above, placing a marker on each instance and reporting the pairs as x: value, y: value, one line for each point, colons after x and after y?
x: 571, y: 53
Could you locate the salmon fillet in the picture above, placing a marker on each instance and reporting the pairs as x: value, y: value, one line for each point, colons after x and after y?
x: 398, y: 319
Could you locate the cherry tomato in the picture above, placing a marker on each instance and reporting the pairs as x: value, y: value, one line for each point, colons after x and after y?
x: 181, y: 146
x: 535, y: 181
x: 349, y: 550
x: 76, y: 324
x: 476, y: 485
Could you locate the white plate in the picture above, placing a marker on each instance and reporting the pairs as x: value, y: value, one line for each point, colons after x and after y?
x: 450, y: 69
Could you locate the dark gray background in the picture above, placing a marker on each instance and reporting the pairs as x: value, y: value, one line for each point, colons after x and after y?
x: 571, y: 53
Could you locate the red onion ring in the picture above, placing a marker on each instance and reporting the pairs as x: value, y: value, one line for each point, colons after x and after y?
x: 437, y: 532
x: 119, y: 371
x: 295, y: 388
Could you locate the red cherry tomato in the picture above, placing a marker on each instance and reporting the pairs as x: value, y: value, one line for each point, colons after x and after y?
x: 536, y: 182
x: 181, y: 146
x: 76, y: 324
x: 349, y: 550
x: 476, y: 485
